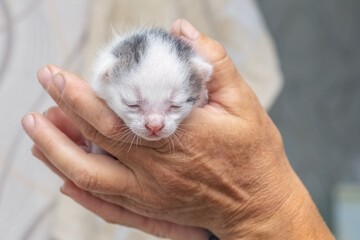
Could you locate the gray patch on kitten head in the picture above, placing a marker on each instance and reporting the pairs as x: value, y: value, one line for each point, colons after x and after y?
x: 183, y: 50
x: 133, y: 49
x: 193, y: 100
x: 195, y: 85
x: 130, y: 52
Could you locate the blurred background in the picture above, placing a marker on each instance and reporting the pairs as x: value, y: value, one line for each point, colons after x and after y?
x: 318, y: 110
x: 302, y: 58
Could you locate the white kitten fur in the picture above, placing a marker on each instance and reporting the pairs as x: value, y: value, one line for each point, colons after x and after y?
x: 156, y: 92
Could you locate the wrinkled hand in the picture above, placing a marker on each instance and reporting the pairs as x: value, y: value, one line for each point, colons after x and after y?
x: 109, y: 212
x: 225, y: 170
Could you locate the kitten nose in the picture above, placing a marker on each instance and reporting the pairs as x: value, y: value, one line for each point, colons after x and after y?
x: 154, y: 128
x: 154, y: 123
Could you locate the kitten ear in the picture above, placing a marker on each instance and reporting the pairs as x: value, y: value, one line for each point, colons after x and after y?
x: 101, y: 71
x: 105, y: 75
x: 203, y: 68
x: 102, y: 68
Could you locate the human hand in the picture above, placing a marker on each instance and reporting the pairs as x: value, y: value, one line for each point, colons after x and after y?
x: 55, y: 117
x: 227, y: 172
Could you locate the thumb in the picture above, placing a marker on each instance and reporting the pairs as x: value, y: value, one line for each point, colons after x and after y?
x: 227, y: 89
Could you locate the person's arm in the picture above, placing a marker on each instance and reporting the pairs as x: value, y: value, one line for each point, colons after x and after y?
x: 226, y: 172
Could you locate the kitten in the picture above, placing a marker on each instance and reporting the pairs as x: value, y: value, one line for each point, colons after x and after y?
x: 151, y: 80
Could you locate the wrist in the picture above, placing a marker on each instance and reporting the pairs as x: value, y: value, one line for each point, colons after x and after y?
x: 291, y: 214
x: 299, y: 217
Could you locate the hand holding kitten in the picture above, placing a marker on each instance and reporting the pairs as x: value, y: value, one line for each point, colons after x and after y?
x: 229, y: 173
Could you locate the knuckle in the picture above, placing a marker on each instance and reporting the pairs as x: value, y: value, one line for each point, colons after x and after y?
x: 34, y: 150
x: 90, y: 132
x: 219, y: 47
x: 85, y: 180
x: 111, y: 127
x: 171, y: 182
x: 75, y: 100
x: 109, y: 220
x: 219, y: 51
x: 108, y: 128
x: 49, y: 145
x: 57, y: 98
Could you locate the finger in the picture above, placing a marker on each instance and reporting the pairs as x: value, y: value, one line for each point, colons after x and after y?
x: 98, y: 173
x: 85, y: 109
x: 38, y: 154
x: 211, y: 50
x: 64, y: 124
x: 74, y: 95
x: 116, y: 214
x: 84, y: 126
x: 225, y: 80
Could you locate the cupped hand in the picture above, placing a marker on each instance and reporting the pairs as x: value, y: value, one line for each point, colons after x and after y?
x: 55, y: 118
x: 225, y: 169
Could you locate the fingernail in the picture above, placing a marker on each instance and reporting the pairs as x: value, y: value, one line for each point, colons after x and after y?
x: 67, y: 189
x: 63, y: 189
x: 44, y: 76
x: 188, y: 30
x: 59, y: 82
x: 28, y: 123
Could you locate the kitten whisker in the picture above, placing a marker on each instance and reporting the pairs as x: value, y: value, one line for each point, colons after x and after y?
x: 120, y: 133
x: 137, y: 139
x: 121, y: 146
x: 173, y: 146
x: 179, y: 137
x: 131, y: 143
x: 185, y: 132
x: 190, y: 124
x: 115, y: 141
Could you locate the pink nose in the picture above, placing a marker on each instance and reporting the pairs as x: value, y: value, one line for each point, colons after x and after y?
x: 154, y: 128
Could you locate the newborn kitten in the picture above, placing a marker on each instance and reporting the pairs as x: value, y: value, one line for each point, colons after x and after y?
x: 151, y: 80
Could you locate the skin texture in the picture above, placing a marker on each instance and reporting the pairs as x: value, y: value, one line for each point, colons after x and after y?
x: 228, y: 173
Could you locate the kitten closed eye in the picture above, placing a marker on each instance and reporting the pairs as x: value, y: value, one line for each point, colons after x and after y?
x: 134, y: 106
x: 175, y: 106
